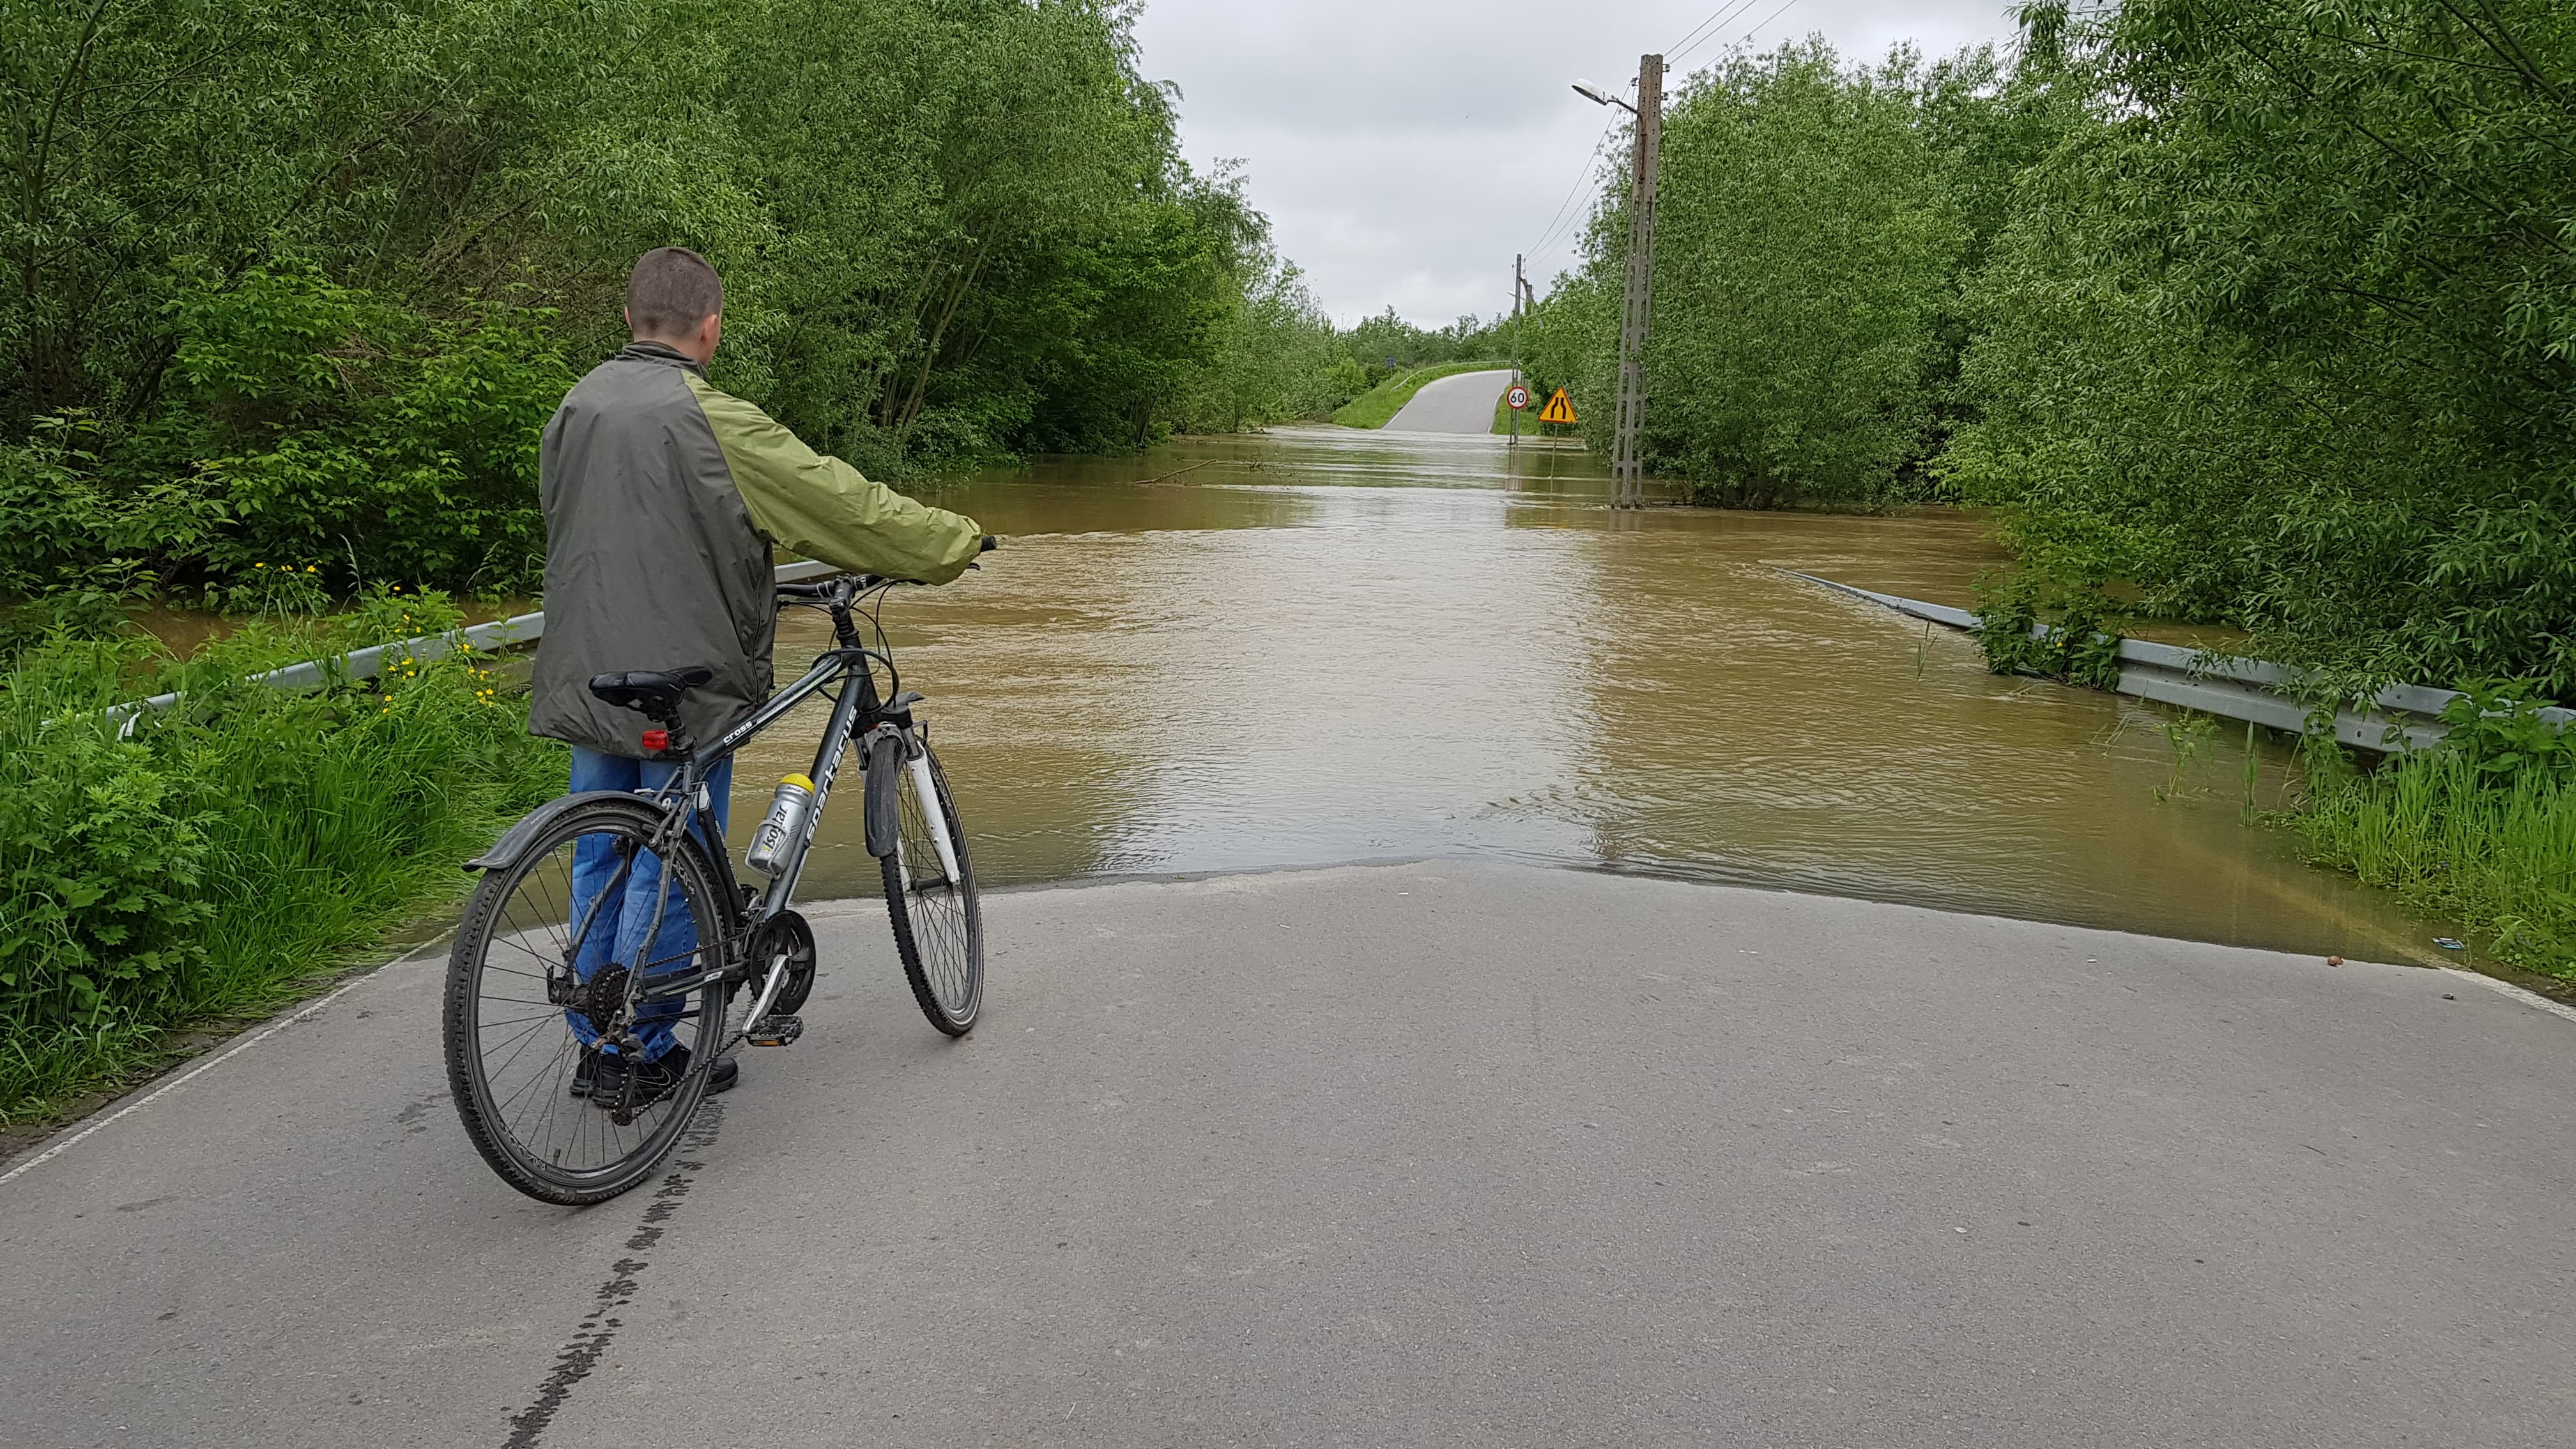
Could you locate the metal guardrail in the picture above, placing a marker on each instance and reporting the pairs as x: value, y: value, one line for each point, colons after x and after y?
x: 2400, y: 717
x: 367, y: 663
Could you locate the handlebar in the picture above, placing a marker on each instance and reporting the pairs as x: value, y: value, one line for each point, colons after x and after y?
x: 842, y: 589
x: 821, y: 593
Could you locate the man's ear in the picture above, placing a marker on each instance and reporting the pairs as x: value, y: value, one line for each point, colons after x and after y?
x: 629, y: 314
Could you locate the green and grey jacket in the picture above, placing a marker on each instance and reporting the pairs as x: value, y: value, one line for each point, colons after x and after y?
x: 662, y: 498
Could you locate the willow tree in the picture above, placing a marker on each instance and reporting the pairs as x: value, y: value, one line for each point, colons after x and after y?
x: 1803, y: 236
x: 2287, y: 335
x: 300, y: 284
x: 1815, y: 226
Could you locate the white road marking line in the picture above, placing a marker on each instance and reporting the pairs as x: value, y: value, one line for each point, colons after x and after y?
x: 2526, y: 997
x: 200, y: 1069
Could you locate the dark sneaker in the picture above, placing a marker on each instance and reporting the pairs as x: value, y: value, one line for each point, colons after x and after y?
x: 658, y: 1076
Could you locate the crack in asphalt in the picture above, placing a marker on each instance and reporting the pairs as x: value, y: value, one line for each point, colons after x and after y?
x: 581, y: 1353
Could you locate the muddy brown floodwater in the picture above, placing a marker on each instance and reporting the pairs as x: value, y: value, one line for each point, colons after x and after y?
x: 1323, y: 645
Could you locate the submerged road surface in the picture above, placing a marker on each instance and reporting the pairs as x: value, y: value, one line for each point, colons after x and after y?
x: 1459, y: 403
x: 1442, y: 1154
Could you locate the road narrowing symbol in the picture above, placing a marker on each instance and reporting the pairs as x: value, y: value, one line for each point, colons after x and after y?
x: 1559, y: 409
x: 1518, y: 397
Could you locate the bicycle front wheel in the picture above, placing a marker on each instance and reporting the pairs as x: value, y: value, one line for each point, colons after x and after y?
x: 930, y: 895
x: 541, y: 970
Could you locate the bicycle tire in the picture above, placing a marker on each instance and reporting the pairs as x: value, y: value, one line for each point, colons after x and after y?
x: 513, y: 907
x: 938, y: 924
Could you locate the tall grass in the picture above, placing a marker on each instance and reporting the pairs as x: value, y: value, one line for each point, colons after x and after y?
x: 234, y: 846
x: 2482, y: 830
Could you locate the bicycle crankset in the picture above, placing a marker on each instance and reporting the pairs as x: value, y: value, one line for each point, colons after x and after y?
x: 787, y: 932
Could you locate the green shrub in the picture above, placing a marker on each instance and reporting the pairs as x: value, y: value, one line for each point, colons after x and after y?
x: 102, y: 861
x: 234, y: 844
x: 2028, y: 625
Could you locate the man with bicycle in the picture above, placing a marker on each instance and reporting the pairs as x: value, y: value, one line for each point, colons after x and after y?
x: 663, y: 498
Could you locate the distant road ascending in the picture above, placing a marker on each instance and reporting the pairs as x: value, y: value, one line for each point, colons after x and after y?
x: 1463, y: 403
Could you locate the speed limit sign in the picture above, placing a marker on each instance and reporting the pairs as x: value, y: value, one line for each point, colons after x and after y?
x: 1519, y: 397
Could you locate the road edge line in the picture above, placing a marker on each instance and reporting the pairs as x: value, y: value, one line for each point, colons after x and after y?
x: 2523, y: 994
x: 300, y: 1014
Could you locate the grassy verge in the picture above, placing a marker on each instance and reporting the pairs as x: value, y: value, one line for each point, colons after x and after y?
x: 2481, y: 829
x: 2499, y: 859
x: 234, y: 847
x: 1372, y: 408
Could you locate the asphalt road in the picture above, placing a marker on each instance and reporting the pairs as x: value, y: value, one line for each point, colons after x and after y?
x: 1441, y: 1154
x: 1462, y: 402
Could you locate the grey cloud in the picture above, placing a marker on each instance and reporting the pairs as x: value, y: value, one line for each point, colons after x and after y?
x: 1404, y: 150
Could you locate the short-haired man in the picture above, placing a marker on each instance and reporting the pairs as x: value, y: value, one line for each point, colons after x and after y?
x: 663, y: 497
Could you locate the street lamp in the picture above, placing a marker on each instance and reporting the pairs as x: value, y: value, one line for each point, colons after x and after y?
x: 1600, y: 97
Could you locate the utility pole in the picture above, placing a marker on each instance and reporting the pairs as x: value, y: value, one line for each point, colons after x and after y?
x: 1519, y: 318
x: 1625, y: 470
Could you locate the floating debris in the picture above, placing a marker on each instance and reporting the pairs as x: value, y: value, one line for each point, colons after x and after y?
x: 2450, y: 943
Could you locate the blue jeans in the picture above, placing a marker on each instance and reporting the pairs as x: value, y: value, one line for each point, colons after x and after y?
x: 617, y: 933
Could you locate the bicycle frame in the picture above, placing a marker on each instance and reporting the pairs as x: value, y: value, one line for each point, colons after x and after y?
x: 858, y: 713
x: 853, y: 713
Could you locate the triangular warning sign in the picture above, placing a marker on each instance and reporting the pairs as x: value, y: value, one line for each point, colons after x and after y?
x: 1559, y: 409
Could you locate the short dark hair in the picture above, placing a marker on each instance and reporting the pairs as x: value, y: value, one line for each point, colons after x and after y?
x: 673, y: 289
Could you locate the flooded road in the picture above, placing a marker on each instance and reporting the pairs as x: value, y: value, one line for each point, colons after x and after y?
x: 1325, y: 645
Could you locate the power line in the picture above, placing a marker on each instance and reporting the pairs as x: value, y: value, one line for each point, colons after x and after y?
x: 1747, y: 35
x: 1721, y: 15
x: 1706, y: 31
x: 1590, y: 165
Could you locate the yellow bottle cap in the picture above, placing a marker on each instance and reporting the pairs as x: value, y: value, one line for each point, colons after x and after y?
x: 795, y: 780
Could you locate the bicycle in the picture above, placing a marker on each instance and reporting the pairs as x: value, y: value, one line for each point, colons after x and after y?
x: 575, y: 1119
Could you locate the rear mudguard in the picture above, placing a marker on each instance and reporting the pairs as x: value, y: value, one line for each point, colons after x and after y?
x: 519, y: 839
x: 883, y: 803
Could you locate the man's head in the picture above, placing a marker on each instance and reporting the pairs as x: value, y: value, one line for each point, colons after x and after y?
x: 676, y: 299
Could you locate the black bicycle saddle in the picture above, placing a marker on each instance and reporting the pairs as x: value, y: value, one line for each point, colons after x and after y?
x: 656, y: 692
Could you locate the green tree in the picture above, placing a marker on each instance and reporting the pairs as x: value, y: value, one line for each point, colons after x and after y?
x: 1803, y: 236
x: 2283, y: 335
x: 302, y: 284
x: 1816, y: 225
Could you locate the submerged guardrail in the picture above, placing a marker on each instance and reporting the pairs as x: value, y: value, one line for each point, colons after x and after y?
x: 367, y: 663
x: 2399, y: 717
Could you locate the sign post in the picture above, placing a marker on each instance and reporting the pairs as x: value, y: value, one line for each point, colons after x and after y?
x: 1519, y: 318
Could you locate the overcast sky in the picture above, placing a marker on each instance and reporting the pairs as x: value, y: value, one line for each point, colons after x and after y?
x: 1405, y: 149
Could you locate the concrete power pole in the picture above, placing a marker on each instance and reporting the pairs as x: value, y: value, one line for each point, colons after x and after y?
x: 1626, y: 472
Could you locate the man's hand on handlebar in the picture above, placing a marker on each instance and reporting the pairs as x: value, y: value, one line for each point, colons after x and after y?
x: 845, y: 588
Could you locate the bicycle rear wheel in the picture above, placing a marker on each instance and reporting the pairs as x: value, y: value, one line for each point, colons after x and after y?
x: 938, y: 921
x: 539, y: 941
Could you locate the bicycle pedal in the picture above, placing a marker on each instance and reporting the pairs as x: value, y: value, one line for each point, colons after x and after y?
x: 775, y: 1030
